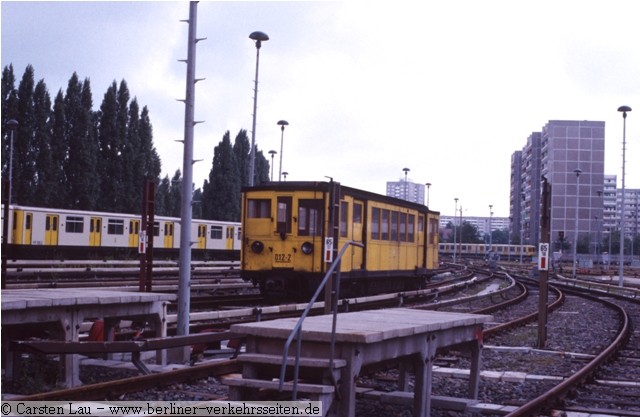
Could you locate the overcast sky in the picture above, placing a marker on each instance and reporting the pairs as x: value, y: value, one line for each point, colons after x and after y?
x: 448, y: 89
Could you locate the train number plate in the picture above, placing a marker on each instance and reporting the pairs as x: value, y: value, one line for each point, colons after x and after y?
x: 283, y: 258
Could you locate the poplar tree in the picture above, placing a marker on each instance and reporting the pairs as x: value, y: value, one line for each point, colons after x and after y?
x: 82, y: 150
x: 23, y: 147
x: 46, y: 187
x: 221, y: 195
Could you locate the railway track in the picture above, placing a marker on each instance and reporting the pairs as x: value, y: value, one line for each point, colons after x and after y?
x: 513, y: 305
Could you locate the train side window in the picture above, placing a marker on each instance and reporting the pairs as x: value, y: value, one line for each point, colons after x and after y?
x: 394, y: 226
x: 27, y: 224
x: 115, y: 227
x: 357, y: 213
x: 216, y: 232
x: 411, y: 227
x: 309, y: 217
x: 375, y: 223
x: 284, y: 215
x: 402, y: 223
x: 156, y: 228
x: 384, y: 223
x: 74, y: 224
x: 344, y: 215
x: 259, y: 208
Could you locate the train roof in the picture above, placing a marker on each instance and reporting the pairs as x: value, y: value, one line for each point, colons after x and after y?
x: 324, y: 186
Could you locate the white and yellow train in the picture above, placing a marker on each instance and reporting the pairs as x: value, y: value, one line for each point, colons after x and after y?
x: 47, y: 233
x: 482, y: 250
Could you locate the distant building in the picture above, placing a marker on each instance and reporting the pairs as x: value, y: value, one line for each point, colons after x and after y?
x: 406, y: 190
x: 570, y: 155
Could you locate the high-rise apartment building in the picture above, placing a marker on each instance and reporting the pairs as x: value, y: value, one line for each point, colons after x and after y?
x: 406, y: 190
x: 570, y: 155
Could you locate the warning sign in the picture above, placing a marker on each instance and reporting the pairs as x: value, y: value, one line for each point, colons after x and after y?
x: 543, y: 256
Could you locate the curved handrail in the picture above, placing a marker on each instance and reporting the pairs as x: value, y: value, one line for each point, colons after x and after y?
x: 296, y: 331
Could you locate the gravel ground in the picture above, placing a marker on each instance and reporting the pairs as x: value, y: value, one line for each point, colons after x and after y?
x: 578, y: 326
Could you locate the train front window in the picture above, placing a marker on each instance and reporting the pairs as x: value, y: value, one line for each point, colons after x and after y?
x: 284, y: 215
x: 309, y: 217
x: 259, y: 208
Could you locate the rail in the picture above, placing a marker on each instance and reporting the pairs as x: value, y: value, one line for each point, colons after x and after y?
x: 297, y: 329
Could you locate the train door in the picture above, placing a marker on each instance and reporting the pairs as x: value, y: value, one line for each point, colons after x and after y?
x: 134, y: 233
x: 28, y: 228
x: 51, y: 227
x: 357, y: 261
x: 229, y: 238
x: 21, y: 227
x: 202, y: 236
x: 95, y: 231
x: 168, y: 235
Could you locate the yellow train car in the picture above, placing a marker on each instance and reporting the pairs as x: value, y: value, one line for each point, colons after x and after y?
x: 292, y: 229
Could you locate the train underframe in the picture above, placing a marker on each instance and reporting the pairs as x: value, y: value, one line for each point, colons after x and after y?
x: 295, y: 286
x: 61, y: 253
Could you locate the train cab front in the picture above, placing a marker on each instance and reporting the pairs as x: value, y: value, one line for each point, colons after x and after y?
x: 281, y: 250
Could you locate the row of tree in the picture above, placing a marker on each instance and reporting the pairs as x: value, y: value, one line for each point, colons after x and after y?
x: 67, y: 155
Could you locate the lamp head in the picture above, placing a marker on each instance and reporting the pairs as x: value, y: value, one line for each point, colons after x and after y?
x: 12, y: 124
x: 259, y: 37
x: 282, y: 124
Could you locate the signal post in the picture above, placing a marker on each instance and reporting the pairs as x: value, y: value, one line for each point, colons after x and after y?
x: 543, y: 262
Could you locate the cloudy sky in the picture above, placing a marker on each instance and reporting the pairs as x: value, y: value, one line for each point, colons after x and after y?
x: 448, y: 89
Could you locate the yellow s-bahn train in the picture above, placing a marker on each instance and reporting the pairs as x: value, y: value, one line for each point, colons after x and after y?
x: 286, y: 225
x: 50, y: 233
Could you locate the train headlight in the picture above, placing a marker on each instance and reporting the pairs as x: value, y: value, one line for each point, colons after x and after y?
x: 307, y: 248
x: 257, y: 246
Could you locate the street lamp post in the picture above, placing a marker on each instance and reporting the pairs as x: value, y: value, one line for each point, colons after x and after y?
x: 259, y: 37
x: 406, y: 185
x: 12, y: 125
x: 282, y: 124
x: 455, y: 214
x: 575, y: 231
x: 624, y: 110
x: 428, y: 186
x: 272, y: 153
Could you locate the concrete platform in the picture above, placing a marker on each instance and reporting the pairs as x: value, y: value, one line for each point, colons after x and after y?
x: 368, y: 337
x: 60, y: 312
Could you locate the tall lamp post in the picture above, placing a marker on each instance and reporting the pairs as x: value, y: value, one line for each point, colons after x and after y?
x: 455, y: 214
x: 575, y: 229
x: 282, y: 124
x: 259, y: 37
x: 428, y: 186
x: 406, y: 185
x: 12, y: 125
x: 272, y: 153
x: 624, y: 110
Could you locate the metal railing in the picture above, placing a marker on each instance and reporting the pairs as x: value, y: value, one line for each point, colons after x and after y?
x: 297, y: 329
